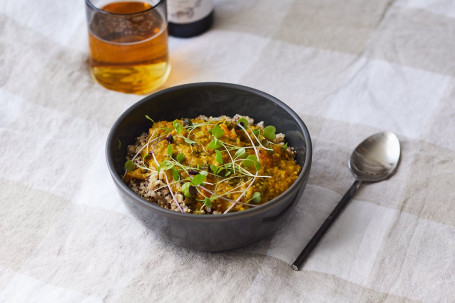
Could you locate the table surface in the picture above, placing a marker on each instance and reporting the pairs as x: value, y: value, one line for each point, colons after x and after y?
x: 349, y: 69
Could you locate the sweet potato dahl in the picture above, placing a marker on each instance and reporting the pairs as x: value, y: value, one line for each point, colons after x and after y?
x: 210, y: 165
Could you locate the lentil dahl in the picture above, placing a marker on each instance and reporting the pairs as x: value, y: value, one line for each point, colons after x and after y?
x: 210, y: 165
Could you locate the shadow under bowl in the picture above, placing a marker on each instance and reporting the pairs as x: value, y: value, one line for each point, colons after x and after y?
x: 210, y: 232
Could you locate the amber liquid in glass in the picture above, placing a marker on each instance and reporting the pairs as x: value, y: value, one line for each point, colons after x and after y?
x: 131, y: 60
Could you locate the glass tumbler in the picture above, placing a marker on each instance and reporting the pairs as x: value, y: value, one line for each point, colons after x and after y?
x: 128, y: 44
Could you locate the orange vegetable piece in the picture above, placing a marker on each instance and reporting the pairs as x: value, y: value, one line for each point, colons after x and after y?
x: 265, y: 159
x: 228, y: 133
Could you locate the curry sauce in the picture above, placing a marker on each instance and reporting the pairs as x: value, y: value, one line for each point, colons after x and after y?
x: 210, y: 165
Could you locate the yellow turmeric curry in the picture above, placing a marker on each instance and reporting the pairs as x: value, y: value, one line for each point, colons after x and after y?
x: 210, y: 165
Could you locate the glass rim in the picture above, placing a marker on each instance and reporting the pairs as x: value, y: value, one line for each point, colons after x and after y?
x: 92, y: 6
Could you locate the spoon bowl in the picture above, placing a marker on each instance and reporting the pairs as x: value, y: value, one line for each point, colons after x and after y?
x: 373, y: 160
x: 376, y: 158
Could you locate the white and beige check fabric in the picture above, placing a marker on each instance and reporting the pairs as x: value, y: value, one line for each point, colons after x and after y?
x: 348, y: 68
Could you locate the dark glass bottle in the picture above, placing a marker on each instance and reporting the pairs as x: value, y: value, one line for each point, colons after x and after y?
x: 189, y: 18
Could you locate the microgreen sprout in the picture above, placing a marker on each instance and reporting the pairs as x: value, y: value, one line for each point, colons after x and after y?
x: 186, y: 189
x: 217, y: 131
x: 215, y: 144
x: 243, y: 122
x: 240, y: 153
x: 269, y: 132
x: 251, y: 161
x: 169, y: 150
x: 130, y: 166
x: 256, y: 197
x: 198, y: 179
x: 189, y: 141
x: 177, y: 126
x: 208, y: 202
x: 259, y: 142
x: 166, y: 164
x: 285, y: 146
x: 214, y: 169
x: 175, y: 174
x: 189, y: 190
x: 218, y: 157
x: 148, y: 118
x: 180, y: 157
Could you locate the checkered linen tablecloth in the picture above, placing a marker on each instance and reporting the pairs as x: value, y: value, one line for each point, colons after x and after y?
x: 348, y: 68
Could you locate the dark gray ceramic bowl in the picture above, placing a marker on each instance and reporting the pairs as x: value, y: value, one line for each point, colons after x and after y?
x: 210, y: 232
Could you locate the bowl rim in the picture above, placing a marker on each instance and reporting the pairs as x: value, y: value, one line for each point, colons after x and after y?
x: 208, y: 218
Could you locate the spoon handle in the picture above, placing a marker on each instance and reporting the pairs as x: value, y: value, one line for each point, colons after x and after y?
x: 325, y: 226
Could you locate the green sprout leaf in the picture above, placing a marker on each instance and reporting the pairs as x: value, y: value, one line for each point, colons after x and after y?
x: 240, y: 153
x: 218, y: 157
x: 251, y: 161
x: 198, y: 179
x: 203, y: 172
x: 169, y: 150
x: 219, y: 170
x: 208, y: 202
x: 214, y: 169
x: 178, y: 127
x: 186, y: 190
x: 217, y: 131
x: 215, y: 144
x: 243, y: 122
x: 175, y: 174
x: 269, y: 132
x: 180, y: 157
x: 224, y: 171
x: 256, y: 131
x: 189, y: 141
x: 167, y: 165
x: 257, y: 165
x: 147, y: 116
x: 256, y: 197
x: 285, y: 146
x: 130, y: 166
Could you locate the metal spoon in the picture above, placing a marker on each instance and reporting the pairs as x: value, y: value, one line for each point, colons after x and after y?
x: 373, y: 160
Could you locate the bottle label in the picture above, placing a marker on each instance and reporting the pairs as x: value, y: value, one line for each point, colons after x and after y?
x: 187, y: 11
